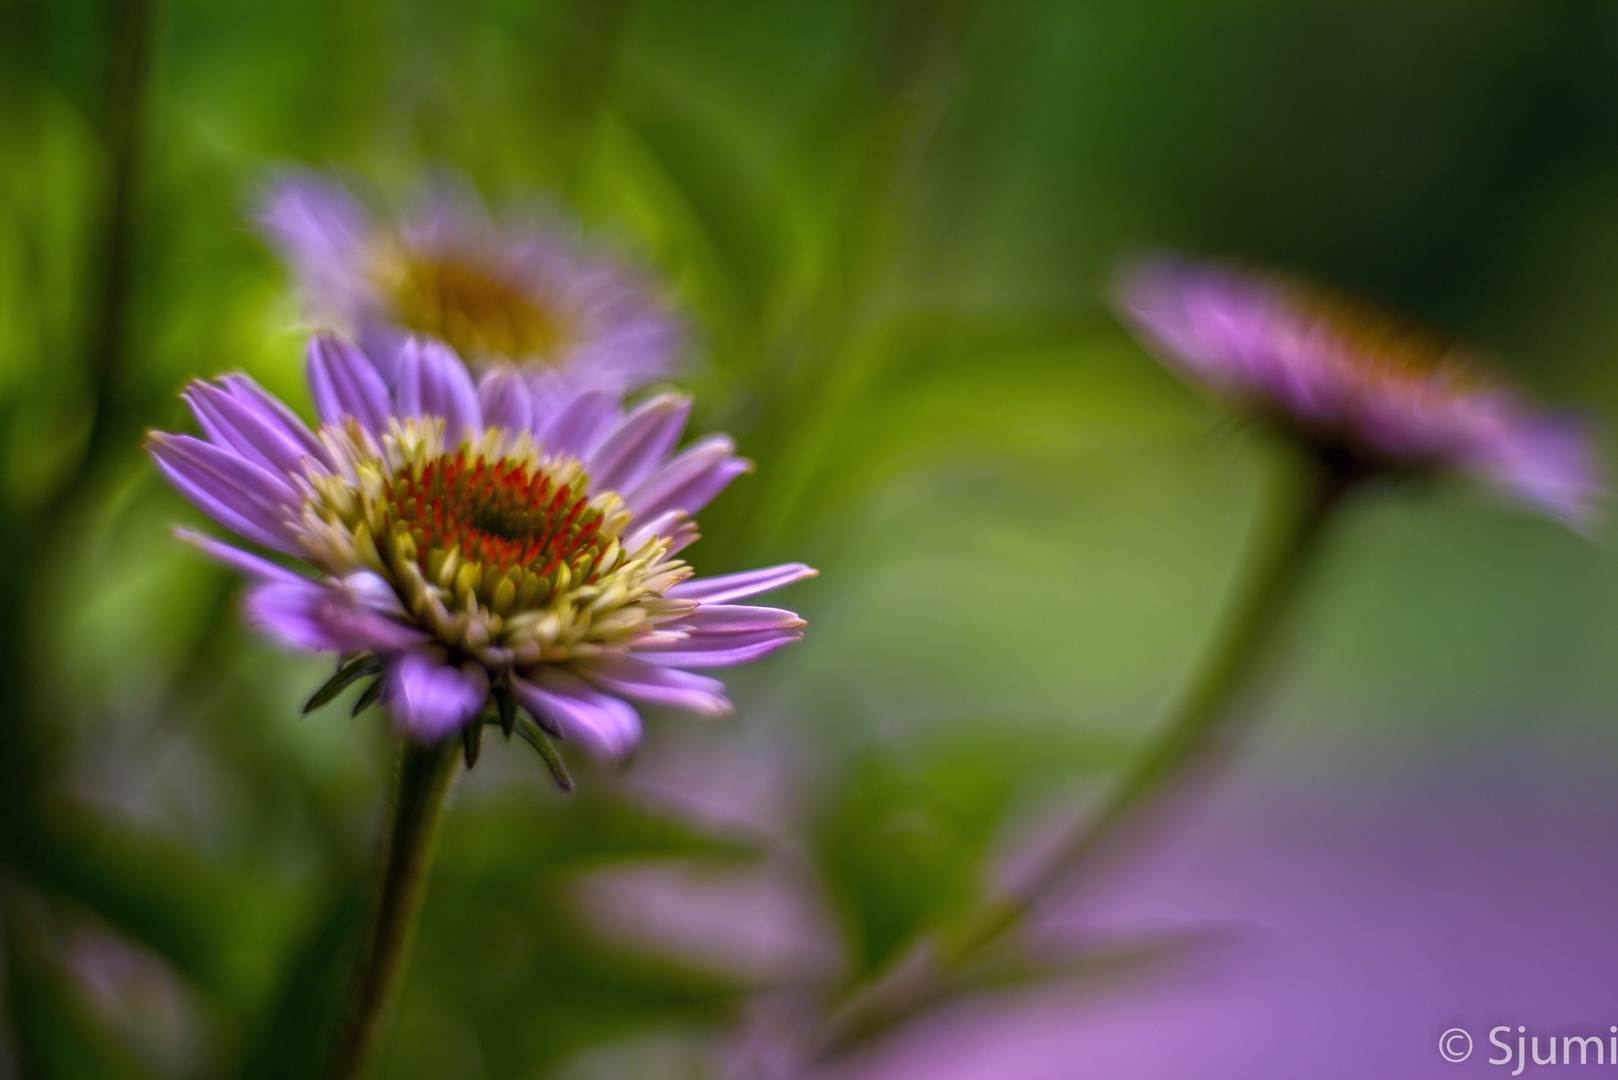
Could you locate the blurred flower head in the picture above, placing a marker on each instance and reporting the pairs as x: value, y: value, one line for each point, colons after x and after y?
x: 519, y: 288
x: 466, y: 545
x: 1355, y: 383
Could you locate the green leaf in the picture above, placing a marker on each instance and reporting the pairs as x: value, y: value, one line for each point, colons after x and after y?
x: 507, y: 706
x: 293, y: 1039
x: 338, y: 682
x: 367, y: 698
x: 902, y: 840
x: 536, y: 738
x: 471, y: 742
x: 357, y: 668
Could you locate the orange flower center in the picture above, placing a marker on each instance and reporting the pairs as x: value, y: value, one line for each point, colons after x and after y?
x: 504, y: 531
x: 1383, y: 350
x: 476, y: 310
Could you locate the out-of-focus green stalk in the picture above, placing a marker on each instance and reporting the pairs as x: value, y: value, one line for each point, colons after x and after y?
x: 1206, y: 725
x: 422, y: 786
x: 130, y: 75
x: 1200, y: 732
x: 584, y: 72
x: 29, y: 532
x: 905, y: 77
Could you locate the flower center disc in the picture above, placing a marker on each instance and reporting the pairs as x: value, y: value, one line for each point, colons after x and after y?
x: 475, y: 310
x: 1395, y: 354
x: 507, y: 533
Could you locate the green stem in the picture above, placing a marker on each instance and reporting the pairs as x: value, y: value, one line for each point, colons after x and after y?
x: 1201, y: 732
x: 424, y: 776
x: 129, y: 82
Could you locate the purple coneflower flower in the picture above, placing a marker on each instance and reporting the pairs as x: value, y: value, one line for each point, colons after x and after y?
x: 519, y: 289
x: 466, y: 550
x: 1356, y: 385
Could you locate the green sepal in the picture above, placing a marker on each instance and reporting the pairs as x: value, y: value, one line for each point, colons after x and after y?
x: 367, y: 698
x: 356, y: 668
x: 508, y: 710
x: 472, y: 741
x: 534, y: 736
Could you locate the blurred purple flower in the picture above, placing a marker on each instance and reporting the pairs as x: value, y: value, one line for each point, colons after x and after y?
x: 474, y: 544
x: 1355, y: 382
x: 520, y: 289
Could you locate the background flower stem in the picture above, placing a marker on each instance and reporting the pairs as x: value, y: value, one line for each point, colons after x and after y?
x: 422, y: 786
x: 1200, y: 732
x: 1207, y: 724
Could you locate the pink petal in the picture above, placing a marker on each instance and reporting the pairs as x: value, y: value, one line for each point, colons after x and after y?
x: 429, y: 699
x: 345, y: 383
x: 578, y: 422
x: 321, y: 230
x: 248, y: 392
x: 629, y: 453
x: 718, y: 650
x: 1551, y: 464
x: 249, y: 423
x: 239, y: 560
x: 605, y: 725
x: 690, y: 481
x: 659, y: 685
x: 506, y: 400
x: 718, y: 590
x: 238, y: 494
x: 735, y: 618
x: 434, y: 382
x: 324, y: 618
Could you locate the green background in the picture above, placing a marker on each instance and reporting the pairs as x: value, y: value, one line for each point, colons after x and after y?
x: 890, y: 227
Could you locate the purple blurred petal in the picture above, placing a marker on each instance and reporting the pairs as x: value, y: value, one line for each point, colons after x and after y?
x: 429, y: 699
x: 327, y: 617
x: 627, y: 338
x: 1551, y: 464
x: 434, y: 382
x: 1392, y: 396
x: 718, y: 590
x: 621, y: 336
x: 450, y: 216
x: 240, y: 560
x: 236, y: 493
x: 1252, y: 339
x: 602, y: 723
x: 506, y: 400
x: 292, y: 612
x: 718, y: 650
x: 313, y: 219
x: 381, y: 342
x: 690, y: 481
x: 345, y: 383
x: 659, y: 685
x: 371, y: 590
x: 682, y: 536
x: 577, y: 424
x: 629, y: 453
x: 636, y: 343
x: 321, y: 230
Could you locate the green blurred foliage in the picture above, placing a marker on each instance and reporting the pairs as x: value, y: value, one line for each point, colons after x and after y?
x: 890, y: 224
